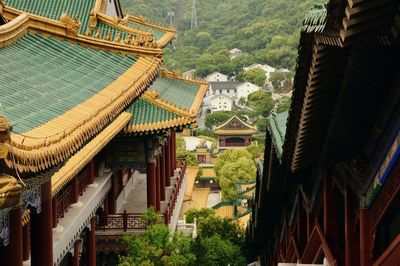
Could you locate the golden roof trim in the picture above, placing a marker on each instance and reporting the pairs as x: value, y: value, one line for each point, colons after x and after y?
x: 77, y: 162
x: 13, y: 30
x: 200, y: 93
x: 172, y: 74
x: 116, y: 22
x: 58, y: 29
x: 230, y: 119
x: 153, y: 98
x: 235, y: 132
x: 55, y: 141
x: 180, y: 121
x: 142, y: 20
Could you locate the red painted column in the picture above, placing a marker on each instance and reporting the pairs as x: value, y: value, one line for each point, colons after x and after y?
x: 174, y: 150
x: 158, y: 184
x: 365, y: 238
x: 352, y: 244
x: 41, y: 231
x: 75, y: 258
x: 106, y: 211
x: 171, y: 156
x: 91, y: 172
x: 163, y: 176
x: 91, y: 243
x: 167, y: 163
x: 54, y: 211
x: 13, y: 252
x: 26, y: 242
x: 111, y: 195
x: 75, y: 189
x: 151, y: 184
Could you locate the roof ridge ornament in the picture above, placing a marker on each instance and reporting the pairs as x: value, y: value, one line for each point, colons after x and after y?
x: 73, y: 24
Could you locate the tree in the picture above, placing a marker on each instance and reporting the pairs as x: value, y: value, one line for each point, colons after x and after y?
x: 217, y: 251
x: 261, y: 102
x: 281, y: 80
x: 180, y: 144
x: 242, y: 101
x: 157, y: 246
x: 217, y: 118
x: 233, y: 166
x: 190, y: 158
x: 198, y: 214
x: 255, y: 76
x: 283, y: 105
x: 255, y: 150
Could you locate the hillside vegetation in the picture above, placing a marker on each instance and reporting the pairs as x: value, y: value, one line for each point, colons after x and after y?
x: 268, y: 30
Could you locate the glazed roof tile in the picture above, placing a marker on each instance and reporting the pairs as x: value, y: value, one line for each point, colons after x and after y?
x: 176, y: 92
x: 145, y: 112
x: 53, y: 9
x: 44, y: 77
x: 277, y: 128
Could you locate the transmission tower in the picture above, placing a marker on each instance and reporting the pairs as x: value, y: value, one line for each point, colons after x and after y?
x: 193, y: 25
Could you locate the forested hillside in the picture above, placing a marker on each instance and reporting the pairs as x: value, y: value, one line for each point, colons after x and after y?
x: 268, y: 30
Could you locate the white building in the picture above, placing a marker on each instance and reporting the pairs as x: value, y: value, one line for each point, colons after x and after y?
x: 235, y: 52
x: 245, y: 89
x: 266, y: 68
x: 228, y: 88
x: 189, y: 74
x: 216, y: 76
x: 221, y: 102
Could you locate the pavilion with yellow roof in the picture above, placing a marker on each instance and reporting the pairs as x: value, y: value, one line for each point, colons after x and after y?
x: 234, y: 133
x: 85, y: 109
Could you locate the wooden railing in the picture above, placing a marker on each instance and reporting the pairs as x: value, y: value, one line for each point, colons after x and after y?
x: 65, y: 197
x: 123, y: 221
x: 172, y: 202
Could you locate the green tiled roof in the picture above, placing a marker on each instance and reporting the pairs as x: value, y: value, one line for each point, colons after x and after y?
x: 145, y: 112
x: 176, y: 92
x: 315, y: 19
x: 277, y: 128
x: 53, y: 9
x: 104, y: 28
x: 42, y: 78
x: 156, y: 32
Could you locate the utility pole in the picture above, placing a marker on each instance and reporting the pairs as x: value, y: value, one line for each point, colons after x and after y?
x: 170, y: 15
x: 193, y: 24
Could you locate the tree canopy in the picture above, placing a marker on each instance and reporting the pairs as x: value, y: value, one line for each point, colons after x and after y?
x: 232, y: 166
x: 255, y: 76
x: 268, y: 31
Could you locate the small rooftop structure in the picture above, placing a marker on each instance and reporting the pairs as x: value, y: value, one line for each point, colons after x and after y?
x: 234, y: 133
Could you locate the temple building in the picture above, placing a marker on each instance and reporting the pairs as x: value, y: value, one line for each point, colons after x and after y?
x: 330, y: 191
x: 234, y: 133
x: 87, y: 130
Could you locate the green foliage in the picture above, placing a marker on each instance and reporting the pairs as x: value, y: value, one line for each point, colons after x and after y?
x: 199, y: 173
x: 255, y: 150
x: 283, y: 105
x: 180, y: 144
x: 216, y: 250
x: 151, y: 217
x: 261, y: 102
x: 203, y: 132
x: 191, y: 158
x: 255, y: 76
x: 199, y: 214
x: 232, y: 166
x: 267, y: 30
x: 155, y: 247
x: 281, y: 80
x: 227, y: 228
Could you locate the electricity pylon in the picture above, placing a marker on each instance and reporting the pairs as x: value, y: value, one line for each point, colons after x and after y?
x: 193, y: 24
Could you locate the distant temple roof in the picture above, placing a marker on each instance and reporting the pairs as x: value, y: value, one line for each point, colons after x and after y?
x: 94, y: 22
x: 162, y: 108
x: 235, y: 126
